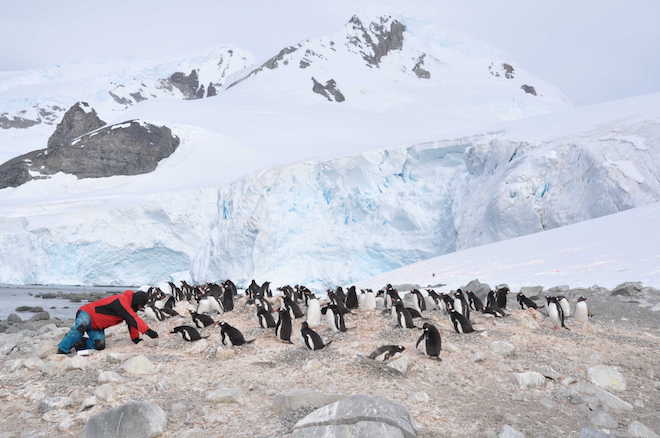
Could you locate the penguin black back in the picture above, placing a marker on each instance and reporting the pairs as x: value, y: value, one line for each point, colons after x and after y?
x: 525, y: 303
x: 385, y: 352
x: 474, y: 302
x: 352, y: 298
x: 283, y: 327
x: 201, y: 320
x: 312, y: 339
x: 188, y: 333
x: 432, y: 340
x: 235, y: 336
x: 461, y: 325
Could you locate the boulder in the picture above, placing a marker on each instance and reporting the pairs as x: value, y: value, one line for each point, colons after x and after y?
x: 588, y: 432
x: 138, y: 365
x: 105, y: 392
x: 532, y: 291
x: 628, y: 289
x: 77, y: 120
x: 400, y: 365
x: 109, y: 377
x: 606, y: 399
x: 224, y: 395
x: 32, y: 309
x: 296, y: 399
x: 603, y: 419
x: 359, y: 415
x: 132, y: 420
x: 14, y: 318
x: 503, y: 348
x: 530, y: 379
x: 638, y: 430
x: 51, y: 403
x: 480, y: 289
x: 40, y: 316
x: 509, y: 432
x: 607, y: 377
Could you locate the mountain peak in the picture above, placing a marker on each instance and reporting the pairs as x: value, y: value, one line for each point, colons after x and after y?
x: 376, y: 39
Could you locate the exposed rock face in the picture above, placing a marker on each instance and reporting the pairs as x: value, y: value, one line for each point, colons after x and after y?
x: 329, y: 90
x: 607, y: 377
x: 78, y: 120
x: 271, y: 64
x: 296, y: 399
x: 187, y: 84
x: 376, y: 40
x: 132, y: 420
x: 128, y: 148
x: 528, y: 89
x: 419, y: 71
x: 37, y: 114
x: 503, y: 69
x: 480, y: 289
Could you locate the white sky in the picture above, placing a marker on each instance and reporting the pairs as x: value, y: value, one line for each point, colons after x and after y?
x: 595, y: 50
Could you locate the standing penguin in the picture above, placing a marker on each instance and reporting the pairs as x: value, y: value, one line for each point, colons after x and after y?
x: 465, y: 307
x: 228, y: 298
x: 236, y: 338
x: 461, y: 325
x: 403, y: 316
x: 525, y: 303
x: 352, y: 298
x: 565, y: 305
x: 313, y: 312
x: 500, y: 297
x: 474, y: 302
x: 265, y: 318
x: 421, y: 303
x: 490, y: 300
x: 293, y: 307
x: 334, y: 318
x: 283, y: 327
x: 312, y: 339
x: 555, y: 312
x: 582, y: 310
x: 432, y: 341
x: 369, y: 301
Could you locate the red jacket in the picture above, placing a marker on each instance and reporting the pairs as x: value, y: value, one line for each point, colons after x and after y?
x: 114, y: 309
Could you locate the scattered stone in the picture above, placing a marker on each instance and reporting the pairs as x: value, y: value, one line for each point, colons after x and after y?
x: 526, y: 318
x: 603, y: 419
x: 302, y: 399
x: 478, y: 357
x: 628, y: 289
x: 224, y: 395
x: 548, y: 372
x: 607, y: 377
x: 400, y: 365
x: 132, y: 420
x: 75, y: 363
x: 105, y: 392
x: 588, y: 432
x: 313, y: 364
x: 420, y: 397
x: 358, y: 415
x: 109, y: 377
x: 32, y: 309
x: 638, y: 430
x: 138, y: 365
x: 530, y: 379
x: 116, y: 357
x: 14, y: 318
x: 503, y: 348
x: 607, y: 399
x: 41, y: 316
x: 50, y: 403
x: 88, y: 403
x: 509, y: 432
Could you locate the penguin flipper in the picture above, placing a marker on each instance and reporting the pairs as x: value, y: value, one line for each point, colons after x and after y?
x: 250, y: 341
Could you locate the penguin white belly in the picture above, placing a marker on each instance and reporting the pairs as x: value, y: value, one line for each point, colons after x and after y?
x: 362, y: 300
x: 149, y: 313
x: 380, y: 302
x: 581, y: 311
x: 566, y: 307
x: 314, y: 313
x: 330, y: 319
x: 553, y: 313
x: 458, y: 305
x: 370, y: 301
x: 395, y: 316
x: 422, y: 347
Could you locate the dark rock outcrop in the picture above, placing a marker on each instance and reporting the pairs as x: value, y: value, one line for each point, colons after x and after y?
x: 47, y: 114
x: 529, y: 89
x: 129, y: 148
x: 271, y: 64
x: 188, y: 84
x: 211, y: 90
x: 78, y: 119
x: 377, y: 39
x: 503, y: 69
x: 419, y: 71
x: 329, y: 90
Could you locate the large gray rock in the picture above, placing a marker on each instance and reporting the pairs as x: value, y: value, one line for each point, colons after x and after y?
x: 188, y: 84
x: 532, y: 291
x: 608, y: 400
x: 224, y: 395
x: 638, y: 430
x: 529, y: 379
x: 607, y: 377
x: 78, y: 120
x: 40, y: 316
x: 509, y: 432
x: 588, y: 432
x: 503, y: 348
x: 14, y: 318
x: 480, y: 289
x: 628, y: 289
x: 359, y: 415
x: 132, y: 420
x: 129, y: 148
x: 603, y: 419
x: 296, y: 399
x: 376, y: 39
x: 138, y: 365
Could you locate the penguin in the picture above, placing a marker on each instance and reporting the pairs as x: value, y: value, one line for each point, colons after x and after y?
x: 341, y: 307
x: 228, y: 297
x: 432, y: 341
x: 283, y: 326
x: 490, y: 300
x: 208, y: 304
x: 188, y: 333
x: 362, y: 299
x: 565, y: 305
x: 447, y: 303
x: 313, y: 312
x: 236, y: 338
x: 340, y: 296
x: 260, y: 301
x: 421, y: 302
x: 294, y: 308
x: 403, y: 317
x: 352, y: 298
x: 500, y: 297
x: 582, y: 310
x: 474, y: 302
x: 169, y: 312
x: 386, y: 352
x: 334, y: 318
x: 369, y: 301
x: 312, y: 339
x: 465, y: 307
x: 265, y: 318
x: 461, y: 325
x: 526, y: 303
x: 435, y: 298
x: 200, y: 318
x: 153, y: 312
x: 555, y: 312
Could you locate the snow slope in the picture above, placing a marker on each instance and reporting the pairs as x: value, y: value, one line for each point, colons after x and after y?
x: 606, y: 251
x: 336, y: 221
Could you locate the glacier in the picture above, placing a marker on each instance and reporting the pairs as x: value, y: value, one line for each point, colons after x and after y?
x: 344, y: 220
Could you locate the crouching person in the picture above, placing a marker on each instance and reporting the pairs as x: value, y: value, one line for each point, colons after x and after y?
x: 93, y: 318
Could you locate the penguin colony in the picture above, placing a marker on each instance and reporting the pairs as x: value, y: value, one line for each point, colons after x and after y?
x: 275, y: 311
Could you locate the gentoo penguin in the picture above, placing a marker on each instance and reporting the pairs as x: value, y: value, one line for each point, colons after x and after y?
x: 169, y: 312
x: 265, y: 318
x: 555, y: 312
x: 334, y: 318
x: 313, y: 312
x: 386, y: 352
x: 432, y: 341
x: 461, y: 325
x: 369, y: 301
x: 340, y: 296
x: 362, y: 299
x: 294, y: 308
x: 208, y: 304
x: 189, y: 333
x: 153, y: 312
x: 352, y: 298
x: 236, y: 338
x: 490, y: 300
x: 582, y: 310
x: 283, y: 326
x: 465, y: 307
x: 262, y: 302
x: 403, y: 317
x: 312, y: 339
x: 341, y: 307
x: 565, y: 305
x: 200, y: 319
x: 500, y: 297
x: 474, y: 302
x: 228, y: 297
x: 421, y: 303
x: 435, y: 298
x: 525, y: 303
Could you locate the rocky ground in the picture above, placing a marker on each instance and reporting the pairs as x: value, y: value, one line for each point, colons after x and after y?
x: 518, y: 375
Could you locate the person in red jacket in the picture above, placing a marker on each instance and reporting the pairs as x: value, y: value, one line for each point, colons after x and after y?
x: 95, y: 317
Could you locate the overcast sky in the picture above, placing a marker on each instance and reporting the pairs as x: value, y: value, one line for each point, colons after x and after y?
x: 595, y: 50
